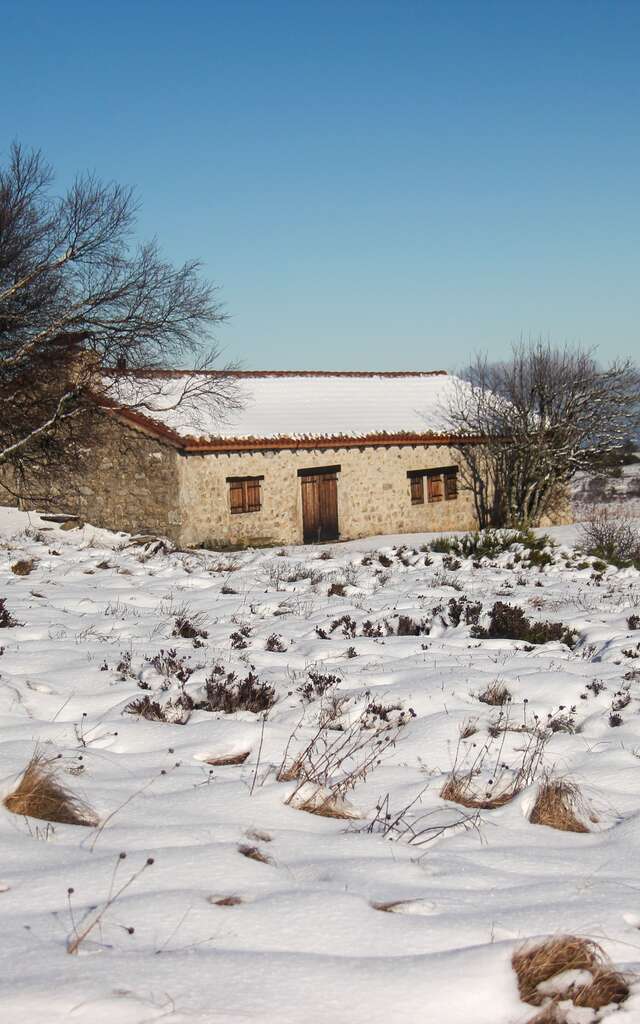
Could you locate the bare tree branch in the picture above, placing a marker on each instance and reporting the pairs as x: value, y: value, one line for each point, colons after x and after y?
x: 545, y: 414
x: 76, y: 294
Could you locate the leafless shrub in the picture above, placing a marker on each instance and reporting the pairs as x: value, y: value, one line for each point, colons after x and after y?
x: 611, y: 536
x: 560, y: 805
x: 416, y: 829
x: 331, y: 765
x: 41, y: 794
x: 535, y: 965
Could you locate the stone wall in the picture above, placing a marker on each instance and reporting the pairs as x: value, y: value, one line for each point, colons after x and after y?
x: 373, y: 494
x: 125, y: 481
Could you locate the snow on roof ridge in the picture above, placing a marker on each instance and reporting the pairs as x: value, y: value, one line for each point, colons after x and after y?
x: 242, y: 374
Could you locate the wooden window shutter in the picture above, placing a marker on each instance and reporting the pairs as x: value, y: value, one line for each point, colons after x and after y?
x: 252, y: 498
x: 236, y: 496
x: 434, y: 481
x: 417, y: 490
x: 451, y: 484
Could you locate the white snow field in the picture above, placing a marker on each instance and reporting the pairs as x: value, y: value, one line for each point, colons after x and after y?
x: 255, y: 909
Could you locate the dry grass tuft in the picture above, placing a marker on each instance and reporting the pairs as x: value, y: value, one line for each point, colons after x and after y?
x: 226, y: 901
x: 391, y: 906
x: 40, y: 794
x: 225, y: 759
x: 558, y: 805
x: 23, y: 567
x: 326, y: 805
x: 496, y: 694
x: 459, y: 789
x: 468, y: 728
x: 253, y: 853
x: 539, y: 964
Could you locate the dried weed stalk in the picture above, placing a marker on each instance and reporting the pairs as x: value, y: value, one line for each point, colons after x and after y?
x: 332, y: 764
x: 503, y: 782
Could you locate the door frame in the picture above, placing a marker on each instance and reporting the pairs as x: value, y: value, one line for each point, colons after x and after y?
x: 319, y: 471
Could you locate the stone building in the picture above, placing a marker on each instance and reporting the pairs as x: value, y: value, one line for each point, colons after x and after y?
x: 307, y: 457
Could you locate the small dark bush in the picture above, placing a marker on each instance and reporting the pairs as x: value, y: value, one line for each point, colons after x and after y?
x: 348, y: 626
x: 317, y: 685
x: 175, y: 711
x: 124, y: 666
x: 336, y: 590
x: 461, y: 608
x: 450, y: 563
x: 633, y: 622
x: 615, y: 720
x: 188, y: 630
x: 509, y: 622
x: 274, y: 643
x: 369, y: 629
x: 409, y: 627
x: 170, y: 664
x: 444, y: 545
x: 228, y: 695
x: 384, y: 560
x: 7, y: 620
x: 351, y: 652
x: 240, y: 637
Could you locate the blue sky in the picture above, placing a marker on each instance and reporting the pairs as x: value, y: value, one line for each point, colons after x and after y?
x: 373, y: 185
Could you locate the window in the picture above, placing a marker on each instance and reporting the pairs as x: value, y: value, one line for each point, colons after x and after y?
x: 244, y: 493
x: 441, y: 484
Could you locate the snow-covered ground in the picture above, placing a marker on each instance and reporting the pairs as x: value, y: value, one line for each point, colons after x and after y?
x: 336, y: 922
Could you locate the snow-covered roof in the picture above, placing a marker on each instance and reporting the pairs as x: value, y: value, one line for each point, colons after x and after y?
x: 298, y: 406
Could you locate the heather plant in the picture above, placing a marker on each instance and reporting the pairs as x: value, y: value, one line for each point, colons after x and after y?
x: 509, y: 622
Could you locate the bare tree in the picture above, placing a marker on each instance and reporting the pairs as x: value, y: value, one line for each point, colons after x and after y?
x: 541, y: 416
x: 78, y: 304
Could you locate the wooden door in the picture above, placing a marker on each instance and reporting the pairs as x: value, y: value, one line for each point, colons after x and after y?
x: 319, y: 507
